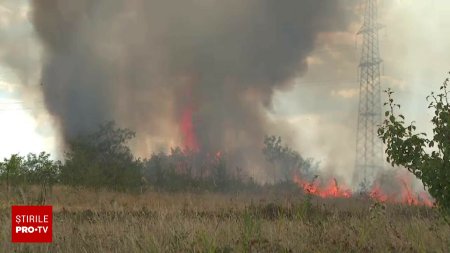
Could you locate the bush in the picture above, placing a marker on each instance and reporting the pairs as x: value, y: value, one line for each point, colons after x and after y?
x: 18, y: 171
x: 41, y: 170
x: 187, y: 170
x: 12, y: 171
x: 428, y: 159
x: 102, y: 159
x: 285, y: 159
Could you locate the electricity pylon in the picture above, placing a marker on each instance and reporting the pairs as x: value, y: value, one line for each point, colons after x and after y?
x: 369, y: 148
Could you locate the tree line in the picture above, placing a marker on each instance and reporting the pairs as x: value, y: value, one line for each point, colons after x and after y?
x: 103, y: 159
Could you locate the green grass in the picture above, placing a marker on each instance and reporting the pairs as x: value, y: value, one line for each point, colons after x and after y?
x: 89, y: 221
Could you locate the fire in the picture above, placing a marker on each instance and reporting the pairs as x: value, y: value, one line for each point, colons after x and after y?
x: 333, y: 190
x: 410, y: 198
x: 188, y: 131
x: 186, y: 121
x: 377, y: 193
x: 407, y: 196
x: 425, y: 198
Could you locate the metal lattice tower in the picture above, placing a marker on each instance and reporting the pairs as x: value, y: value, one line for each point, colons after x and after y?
x: 369, y: 148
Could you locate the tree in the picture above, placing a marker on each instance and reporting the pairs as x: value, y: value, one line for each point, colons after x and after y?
x: 30, y: 170
x: 42, y: 171
x: 285, y: 159
x: 102, y: 159
x: 12, y: 171
x: 428, y: 159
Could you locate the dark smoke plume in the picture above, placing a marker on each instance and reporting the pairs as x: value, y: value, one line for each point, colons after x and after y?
x: 198, y: 73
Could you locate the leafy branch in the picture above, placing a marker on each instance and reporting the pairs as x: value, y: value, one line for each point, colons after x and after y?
x: 427, y: 159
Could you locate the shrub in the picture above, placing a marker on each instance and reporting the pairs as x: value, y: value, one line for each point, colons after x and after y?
x: 428, y: 159
x: 102, y: 159
x: 285, y: 159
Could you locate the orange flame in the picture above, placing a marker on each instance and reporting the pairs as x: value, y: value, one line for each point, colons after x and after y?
x: 377, y: 193
x: 333, y: 190
x: 187, y: 129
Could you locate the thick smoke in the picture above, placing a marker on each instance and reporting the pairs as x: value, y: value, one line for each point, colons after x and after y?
x: 198, y: 73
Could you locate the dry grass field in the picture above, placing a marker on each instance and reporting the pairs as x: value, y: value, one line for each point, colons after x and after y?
x: 101, y: 221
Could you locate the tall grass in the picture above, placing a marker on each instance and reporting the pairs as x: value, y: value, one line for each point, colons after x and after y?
x: 104, y: 221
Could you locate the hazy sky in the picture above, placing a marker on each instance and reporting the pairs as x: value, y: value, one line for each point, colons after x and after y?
x: 322, y: 106
x: 24, y: 124
x: 414, y: 47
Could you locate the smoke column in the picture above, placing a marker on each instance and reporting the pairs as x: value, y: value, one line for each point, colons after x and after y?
x: 195, y: 73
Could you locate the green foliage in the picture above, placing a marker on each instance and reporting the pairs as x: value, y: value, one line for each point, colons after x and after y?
x: 251, y: 232
x: 33, y: 169
x: 41, y: 169
x: 428, y: 159
x: 285, y: 159
x: 102, y: 159
x: 184, y: 170
x: 171, y: 171
x: 12, y: 171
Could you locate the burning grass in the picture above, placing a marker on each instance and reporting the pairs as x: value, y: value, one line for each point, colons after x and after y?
x: 103, y: 221
x: 404, y: 194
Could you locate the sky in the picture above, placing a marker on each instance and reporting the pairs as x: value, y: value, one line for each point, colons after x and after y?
x: 321, y: 105
x: 324, y: 102
x: 24, y: 124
